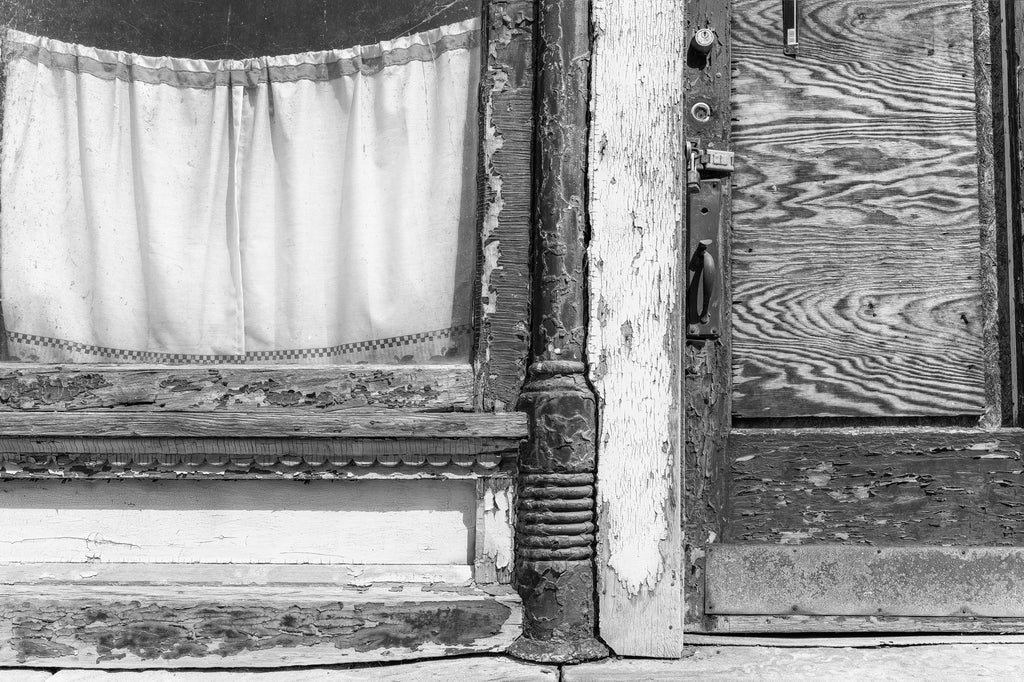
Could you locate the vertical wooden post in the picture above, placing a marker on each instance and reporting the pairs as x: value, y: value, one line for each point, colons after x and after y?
x: 555, y: 534
x: 637, y: 193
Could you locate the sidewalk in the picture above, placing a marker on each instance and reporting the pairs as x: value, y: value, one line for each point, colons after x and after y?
x: 932, y: 662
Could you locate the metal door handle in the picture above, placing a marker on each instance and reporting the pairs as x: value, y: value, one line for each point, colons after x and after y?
x: 705, y: 274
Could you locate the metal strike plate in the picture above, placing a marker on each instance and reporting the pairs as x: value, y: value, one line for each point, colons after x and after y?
x: 704, y: 279
x: 717, y: 161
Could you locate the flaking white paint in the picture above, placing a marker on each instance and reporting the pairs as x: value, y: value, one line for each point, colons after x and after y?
x: 636, y: 197
x: 383, y: 522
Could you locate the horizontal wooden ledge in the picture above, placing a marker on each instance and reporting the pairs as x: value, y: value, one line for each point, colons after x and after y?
x: 842, y: 580
x: 229, y: 445
x: 238, y: 388
x: 188, y: 624
x: 236, y: 425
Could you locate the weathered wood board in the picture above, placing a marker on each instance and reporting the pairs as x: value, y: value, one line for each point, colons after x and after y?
x: 382, y: 522
x: 181, y: 617
x: 56, y: 388
x: 838, y: 580
x: 856, y: 216
x: 881, y: 486
x: 635, y: 334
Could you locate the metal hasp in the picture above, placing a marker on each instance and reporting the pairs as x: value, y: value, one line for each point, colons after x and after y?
x: 705, y: 170
x: 555, y: 523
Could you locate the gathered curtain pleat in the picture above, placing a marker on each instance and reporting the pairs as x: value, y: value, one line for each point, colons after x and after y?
x: 311, y: 208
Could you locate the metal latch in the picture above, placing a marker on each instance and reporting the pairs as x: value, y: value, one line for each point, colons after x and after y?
x: 706, y: 170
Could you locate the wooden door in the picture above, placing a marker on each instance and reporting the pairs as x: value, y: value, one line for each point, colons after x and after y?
x: 869, y: 480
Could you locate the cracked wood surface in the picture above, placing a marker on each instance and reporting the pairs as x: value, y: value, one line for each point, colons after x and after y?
x: 635, y: 331
x: 856, y: 257
x: 96, y: 624
x: 880, y: 486
x: 40, y: 388
x: 174, y: 521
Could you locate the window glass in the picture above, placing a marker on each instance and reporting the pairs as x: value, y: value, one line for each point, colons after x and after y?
x: 315, y: 207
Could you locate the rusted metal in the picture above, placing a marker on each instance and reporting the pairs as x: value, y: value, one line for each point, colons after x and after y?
x: 838, y: 580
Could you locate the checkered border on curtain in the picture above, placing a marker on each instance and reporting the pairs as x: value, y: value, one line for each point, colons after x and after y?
x: 138, y: 356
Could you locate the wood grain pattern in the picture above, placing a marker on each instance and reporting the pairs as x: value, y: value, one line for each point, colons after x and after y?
x: 856, y: 241
x: 635, y: 335
x: 374, y: 522
x: 877, y: 486
x: 25, y: 387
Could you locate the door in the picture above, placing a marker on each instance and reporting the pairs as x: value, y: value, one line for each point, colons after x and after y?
x: 859, y: 473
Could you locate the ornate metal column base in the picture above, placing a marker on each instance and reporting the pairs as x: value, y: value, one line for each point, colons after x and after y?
x: 555, y: 531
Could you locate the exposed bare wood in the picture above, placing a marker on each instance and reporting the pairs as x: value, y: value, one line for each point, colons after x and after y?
x: 856, y: 242
x: 842, y: 580
x: 379, y: 521
x: 506, y: 201
x: 889, y: 486
x: 216, y: 626
x: 635, y: 333
x: 707, y: 387
x: 495, y: 525
x: 377, y: 424
x: 26, y: 387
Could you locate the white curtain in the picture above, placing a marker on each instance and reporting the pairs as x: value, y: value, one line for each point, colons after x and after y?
x: 312, y: 208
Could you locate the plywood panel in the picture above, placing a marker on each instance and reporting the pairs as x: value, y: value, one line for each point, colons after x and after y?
x: 382, y: 522
x: 856, y: 237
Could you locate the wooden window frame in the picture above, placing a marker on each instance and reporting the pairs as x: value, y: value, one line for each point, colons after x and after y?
x: 178, y: 403
x: 101, y: 421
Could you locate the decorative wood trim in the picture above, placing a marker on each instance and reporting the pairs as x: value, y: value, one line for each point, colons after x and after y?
x: 637, y: 198
x: 707, y: 384
x: 236, y: 425
x: 506, y: 197
x: 555, y: 532
x: 844, y: 580
x: 36, y: 388
x: 216, y: 616
x: 107, y: 445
